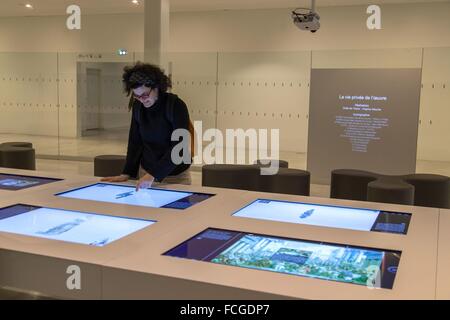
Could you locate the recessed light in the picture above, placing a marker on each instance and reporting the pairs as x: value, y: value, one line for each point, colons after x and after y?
x: 29, y: 6
x: 135, y: 2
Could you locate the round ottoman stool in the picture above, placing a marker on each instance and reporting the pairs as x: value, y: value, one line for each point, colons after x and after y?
x: 109, y: 165
x: 350, y: 184
x: 390, y: 190
x: 17, y: 158
x: 17, y: 144
x: 431, y: 190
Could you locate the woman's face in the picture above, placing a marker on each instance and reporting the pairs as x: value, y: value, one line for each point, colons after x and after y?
x: 147, y: 96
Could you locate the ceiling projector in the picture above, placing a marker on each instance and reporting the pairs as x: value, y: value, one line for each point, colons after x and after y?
x: 307, y: 19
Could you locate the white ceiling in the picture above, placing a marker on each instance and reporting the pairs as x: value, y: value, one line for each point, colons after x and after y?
x: 58, y: 7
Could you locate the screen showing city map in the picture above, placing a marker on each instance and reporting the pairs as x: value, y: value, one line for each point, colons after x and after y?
x: 370, y: 267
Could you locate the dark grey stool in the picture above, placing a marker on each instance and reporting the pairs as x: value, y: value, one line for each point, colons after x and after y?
x: 109, y: 165
x: 244, y: 177
x: 350, y: 184
x: 287, y: 181
x: 281, y: 163
x: 17, y: 157
x: 390, y: 190
x: 17, y: 144
x: 431, y: 190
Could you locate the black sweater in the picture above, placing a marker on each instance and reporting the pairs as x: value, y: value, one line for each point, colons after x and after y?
x: 149, y: 142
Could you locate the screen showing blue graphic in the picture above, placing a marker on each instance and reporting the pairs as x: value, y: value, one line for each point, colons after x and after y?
x: 71, y: 226
x: 121, y: 194
x: 18, y: 182
x: 327, y: 216
x: 370, y: 267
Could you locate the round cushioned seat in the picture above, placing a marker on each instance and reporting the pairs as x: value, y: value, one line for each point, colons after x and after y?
x: 17, y: 144
x: 109, y: 165
x: 287, y: 181
x: 431, y: 190
x: 232, y: 176
x: 350, y: 184
x: 390, y: 190
x: 17, y: 157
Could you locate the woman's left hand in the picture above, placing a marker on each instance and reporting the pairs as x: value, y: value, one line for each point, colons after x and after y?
x: 145, y: 182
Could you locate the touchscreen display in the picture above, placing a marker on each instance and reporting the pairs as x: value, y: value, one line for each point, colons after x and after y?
x: 17, y: 182
x: 71, y: 226
x: 327, y: 216
x: 370, y: 267
x: 121, y: 194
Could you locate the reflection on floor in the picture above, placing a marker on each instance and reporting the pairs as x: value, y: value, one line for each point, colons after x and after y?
x: 111, y: 141
x: 12, y: 294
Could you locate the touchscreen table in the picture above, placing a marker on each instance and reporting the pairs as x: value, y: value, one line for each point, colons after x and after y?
x: 17, y: 182
x: 120, y: 194
x: 71, y: 226
x: 375, y: 268
x: 327, y: 216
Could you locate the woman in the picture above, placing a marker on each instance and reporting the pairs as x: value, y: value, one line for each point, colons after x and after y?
x: 155, y: 115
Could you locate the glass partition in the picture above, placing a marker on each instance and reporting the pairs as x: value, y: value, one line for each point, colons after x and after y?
x: 29, y: 100
x: 72, y: 106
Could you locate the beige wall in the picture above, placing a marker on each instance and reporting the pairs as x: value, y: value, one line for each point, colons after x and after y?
x: 404, y: 26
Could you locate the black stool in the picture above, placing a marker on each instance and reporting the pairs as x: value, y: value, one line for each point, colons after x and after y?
x: 350, y: 184
x: 109, y: 165
x: 287, y: 181
x: 390, y: 190
x: 17, y: 157
x: 431, y: 190
x: 17, y: 144
x: 244, y: 177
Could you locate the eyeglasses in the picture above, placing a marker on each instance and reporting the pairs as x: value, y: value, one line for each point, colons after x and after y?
x: 143, y: 96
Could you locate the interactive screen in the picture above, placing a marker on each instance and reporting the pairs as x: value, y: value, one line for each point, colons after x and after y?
x: 120, y: 194
x: 327, y: 216
x: 17, y: 182
x: 334, y: 262
x: 71, y: 226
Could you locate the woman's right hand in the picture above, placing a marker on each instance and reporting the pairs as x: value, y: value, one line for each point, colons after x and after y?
x: 121, y: 178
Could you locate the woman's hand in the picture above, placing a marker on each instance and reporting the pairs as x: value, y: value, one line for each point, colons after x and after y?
x: 121, y: 178
x: 145, y: 182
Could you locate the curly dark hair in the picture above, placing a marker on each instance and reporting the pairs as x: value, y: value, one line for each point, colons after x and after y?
x: 145, y: 74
